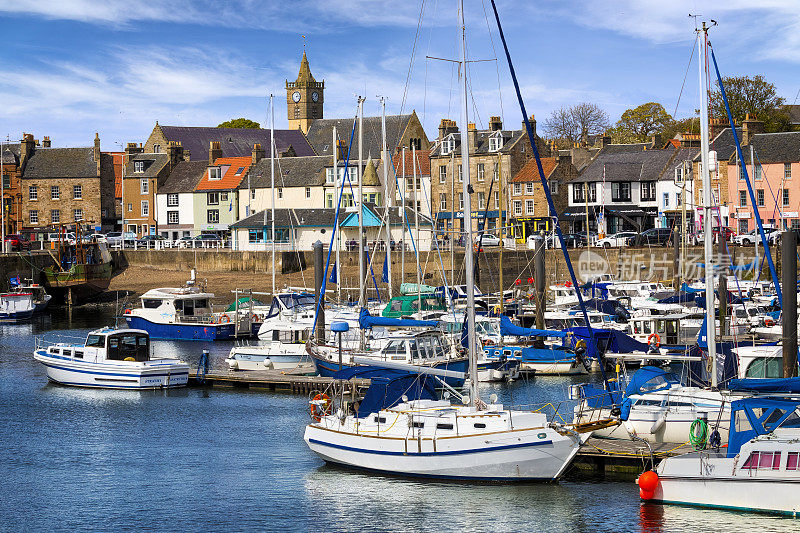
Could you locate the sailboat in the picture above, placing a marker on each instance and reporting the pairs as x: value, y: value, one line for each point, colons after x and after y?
x: 426, y: 437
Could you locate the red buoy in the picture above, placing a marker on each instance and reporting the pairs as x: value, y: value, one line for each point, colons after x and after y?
x: 517, y: 281
x: 646, y: 494
x: 648, y: 481
x: 530, y: 281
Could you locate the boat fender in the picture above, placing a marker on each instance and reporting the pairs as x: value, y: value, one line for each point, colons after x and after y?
x: 129, y: 359
x: 629, y: 428
x: 648, y: 482
x: 625, y: 412
x: 658, y: 424
x: 769, y: 322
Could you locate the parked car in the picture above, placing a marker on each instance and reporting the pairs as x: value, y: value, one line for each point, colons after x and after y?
x: 753, y: 236
x: 185, y: 242
x: 698, y: 238
x: 97, y: 237
x: 487, y: 239
x: 115, y: 238
x: 775, y: 236
x: 652, y: 236
x: 616, y: 240
x: 68, y: 237
x: 17, y: 243
x: 149, y: 240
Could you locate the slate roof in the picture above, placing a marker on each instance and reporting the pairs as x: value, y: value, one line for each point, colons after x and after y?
x: 510, y: 138
x: 530, y: 170
x: 289, y: 172
x: 230, y: 180
x: 777, y: 147
x: 61, y: 163
x: 423, y: 162
x: 624, y: 148
x: 646, y: 165
x: 235, y: 142
x: 184, y: 177
x: 321, y: 130
x: 153, y: 164
x: 10, y: 154
x: 723, y: 144
x: 321, y: 217
x: 793, y: 111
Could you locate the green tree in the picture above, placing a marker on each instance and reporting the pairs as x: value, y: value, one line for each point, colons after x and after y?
x: 240, y: 123
x: 639, y: 123
x: 754, y: 96
x: 683, y: 125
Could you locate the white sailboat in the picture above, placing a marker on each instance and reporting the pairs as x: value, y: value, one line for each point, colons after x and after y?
x: 433, y: 438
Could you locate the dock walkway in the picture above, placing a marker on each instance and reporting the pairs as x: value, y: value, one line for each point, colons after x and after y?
x: 297, y: 381
x: 621, y: 458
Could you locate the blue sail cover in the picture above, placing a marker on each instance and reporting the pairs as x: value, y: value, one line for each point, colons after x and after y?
x: 686, y: 288
x: 773, y: 412
x: 776, y: 385
x: 650, y: 379
x: 699, y: 376
x: 606, y: 341
x: 609, y: 307
x: 367, y: 321
x: 679, y: 298
x: 509, y: 328
x: 386, y: 391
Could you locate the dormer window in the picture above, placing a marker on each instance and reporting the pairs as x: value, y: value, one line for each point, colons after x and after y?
x: 138, y: 166
x: 214, y: 173
x: 448, y: 145
x: 495, y: 143
x: 239, y: 171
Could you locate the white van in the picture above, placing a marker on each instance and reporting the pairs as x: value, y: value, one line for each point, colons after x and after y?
x: 68, y: 237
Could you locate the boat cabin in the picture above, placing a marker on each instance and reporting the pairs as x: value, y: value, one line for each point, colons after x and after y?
x: 414, y: 349
x: 178, y: 302
x: 108, y: 345
x: 293, y: 303
x: 407, y: 305
x: 678, y: 328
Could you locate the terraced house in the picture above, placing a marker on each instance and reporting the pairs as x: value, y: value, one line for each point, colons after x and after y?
x: 216, y: 198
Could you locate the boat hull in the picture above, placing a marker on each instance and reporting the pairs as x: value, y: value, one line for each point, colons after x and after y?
x: 182, y: 331
x: 16, y: 316
x: 649, y: 426
x: 114, y: 375
x: 750, y: 495
x: 285, y: 357
x: 327, y: 368
x: 539, y: 454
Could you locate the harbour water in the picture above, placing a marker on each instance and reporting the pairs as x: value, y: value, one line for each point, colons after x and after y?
x: 195, y: 459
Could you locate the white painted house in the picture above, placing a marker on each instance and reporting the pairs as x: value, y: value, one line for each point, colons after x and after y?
x: 175, y: 200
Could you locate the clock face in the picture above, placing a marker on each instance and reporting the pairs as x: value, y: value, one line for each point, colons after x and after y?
x: 315, y: 96
x: 296, y: 96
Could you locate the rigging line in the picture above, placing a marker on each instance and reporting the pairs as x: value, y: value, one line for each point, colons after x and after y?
x: 411, y: 61
x: 293, y: 211
x: 686, y: 74
x: 427, y: 53
x: 497, y: 63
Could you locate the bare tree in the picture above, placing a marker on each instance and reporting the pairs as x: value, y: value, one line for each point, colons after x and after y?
x: 575, y: 124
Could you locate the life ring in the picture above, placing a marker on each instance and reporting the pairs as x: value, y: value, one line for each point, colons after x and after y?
x: 769, y: 322
x: 321, y: 405
x: 496, y: 310
x: 655, y: 336
x: 128, y: 311
x: 223, y: 319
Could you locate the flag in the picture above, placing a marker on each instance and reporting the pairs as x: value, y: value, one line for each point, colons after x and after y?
x: 333, y: 274
x: 230, y: 206
x: 385, y: 276
x: 15, y: 281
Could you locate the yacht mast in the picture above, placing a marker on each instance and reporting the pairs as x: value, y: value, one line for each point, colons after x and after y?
x: 272, y: 178
x: 336, y: 186
x: 711, y: 320
x: 361, y: 300
x: 468, y: 259
x: 388, y: 202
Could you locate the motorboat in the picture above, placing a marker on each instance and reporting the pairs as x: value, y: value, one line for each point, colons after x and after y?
x: 40, y: 297
x: 758, y: 470
x: 111, y: 359
x: 285, y: 350
x: 16, y: 306
x: 182, y: 313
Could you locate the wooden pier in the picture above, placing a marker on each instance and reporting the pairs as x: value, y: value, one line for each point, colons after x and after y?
x: 295, y: 381
x: 621, y: 459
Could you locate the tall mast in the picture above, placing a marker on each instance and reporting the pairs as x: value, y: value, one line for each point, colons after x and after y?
x: 468, y: 259
x: 272, y: 179
x: 711, y: 321
x: 361, y: 300
x: 335, y: 145
x: 403, y: 216
x: 388, y: 202
x: 416, y: 221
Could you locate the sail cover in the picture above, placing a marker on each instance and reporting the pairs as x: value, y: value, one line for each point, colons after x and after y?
x: 508, y: 328
x: 367, y: 321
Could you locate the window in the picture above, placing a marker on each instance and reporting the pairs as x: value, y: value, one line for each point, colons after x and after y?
x: 577, y: 192
x: 517, y: 207
x: 442, y: 201
x: 145, y: 208
x: 308, y: 192
x: 144, y: 186
x: 443, y: 174
x: 33, y: 215
x: 495, y: 143
x: 742, y: 198
x: 252, y: 194
x: 280, y: 193
x: 461, y: 201
x: 55, y: 216
x: 172, y: 200
x: 592, y: 191
x: 33, y: 193
x: 157, y: 148
x: 741, y: 172
x: 760, y: 197
x: 6, y: 181
x: 517, y: 189
x: 792, y: 460
x: 78, y: 214
x: 130, y: 207
x: 620, y: 191
x: 212, y: 198
x: 223, y: 196
x: 55, y: 192
x: 497, y: 199
x: 529, y: 187
x: 460, y: 173
x: 481, y: 171
x: 172, y: 217
x: 763, y: 461
x: 481, y: 200
x: 785, y: 197
x: 528, y: 207
x: 554, y: 186
x: 239, y: 171
x: 212, y: 216
x: 77, y: 192
x: 787, y: 171
x: 743, y: 226
x: 448, y: 145
x: 138, y: 166
x: 648, y: 190
x: 758, y: 172
x: 666, y: 200
x: 496, y: 172
x: 256, y: 235
x: 795, y: 223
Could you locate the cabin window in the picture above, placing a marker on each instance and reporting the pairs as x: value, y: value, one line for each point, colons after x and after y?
x: 53, y: 350
x: 440, y: 425
x: 95, y: 341
x: 792, y: 460
x: 200, y: 304
x: 479, y: 425
x: 188, y: 307
x: 178, y: 304
x: 67, y: 353
x: 397, y: 306
x: 646, y: 327
x: 765, y: 367
x: 418, y: 425
x: 78, y: 354
x: 379, y: 420
x: 741, y: 422
x: 151, y: 304
x: 127, y: 345
x: 763, y: 461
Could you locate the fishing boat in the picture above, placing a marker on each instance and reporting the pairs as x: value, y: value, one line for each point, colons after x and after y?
x: 111, y: 359
x: 759, y: 470
x: 182, y: 313
x: 16, y: 306
x: 80, y: 271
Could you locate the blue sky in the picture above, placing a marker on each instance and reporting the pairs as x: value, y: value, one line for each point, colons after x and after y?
x: 73, y: 67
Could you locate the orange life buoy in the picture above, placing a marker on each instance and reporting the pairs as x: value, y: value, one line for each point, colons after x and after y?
x: 223, y: 319
x: 655, y: 336
x: 769, y: 322
x: 128, y: 311
x: 321, y: 405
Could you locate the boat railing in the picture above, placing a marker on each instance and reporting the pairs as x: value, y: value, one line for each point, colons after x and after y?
x: 45, y: 340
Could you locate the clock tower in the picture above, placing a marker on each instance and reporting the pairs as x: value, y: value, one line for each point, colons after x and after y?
x: 304, y: 98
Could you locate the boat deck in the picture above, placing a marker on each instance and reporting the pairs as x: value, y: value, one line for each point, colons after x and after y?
x: 620, y: 459
x: 301, y: 380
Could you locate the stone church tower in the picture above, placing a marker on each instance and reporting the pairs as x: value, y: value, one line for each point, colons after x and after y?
x: 304, y: 98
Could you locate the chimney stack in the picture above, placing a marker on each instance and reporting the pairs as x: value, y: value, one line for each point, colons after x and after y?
x: 214, y: 152
x: 472, y: 137
x: 495, y: 123
x: 446, y: 127
x: 750, y: 128
x: 26, y: 148
x: 533, y: 125
x: 175, y: 150
x: 655, y: 141
x: 96, y: 152
x: 46, y: 142
x: 258, y: 153
x: 715, y: 126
